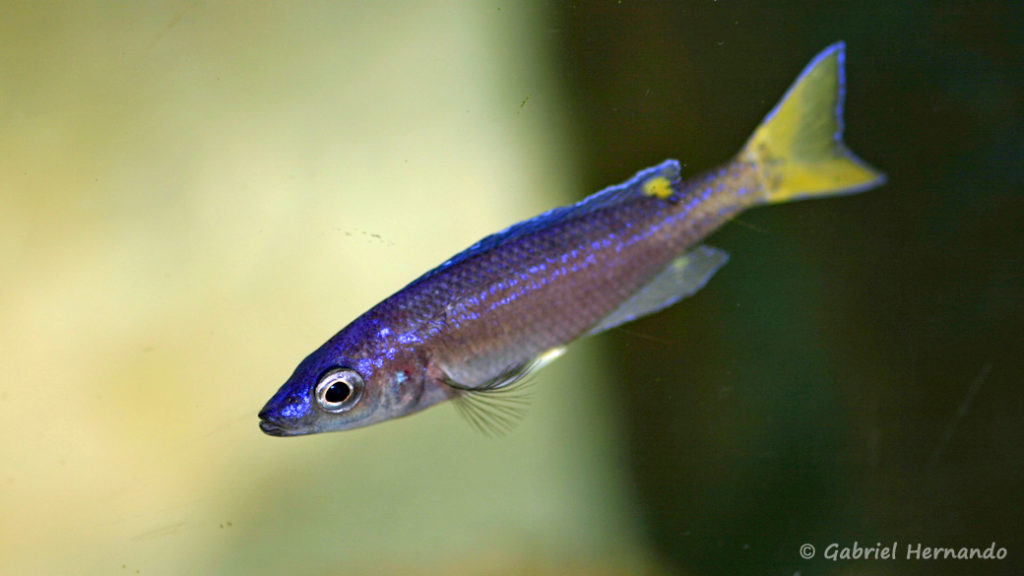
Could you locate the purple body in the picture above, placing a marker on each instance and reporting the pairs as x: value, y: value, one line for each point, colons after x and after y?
x: 513, y: 296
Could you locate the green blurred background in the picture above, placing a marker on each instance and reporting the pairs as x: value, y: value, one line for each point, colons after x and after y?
x: 194, y: 195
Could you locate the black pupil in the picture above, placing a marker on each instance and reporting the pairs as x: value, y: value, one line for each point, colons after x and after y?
x: 338, y: 393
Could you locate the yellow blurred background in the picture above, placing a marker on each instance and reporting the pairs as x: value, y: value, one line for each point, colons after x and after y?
x: 194, y: 196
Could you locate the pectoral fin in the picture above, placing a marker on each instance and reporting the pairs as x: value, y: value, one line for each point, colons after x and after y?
x: 497, y: 405
x: 683, y: 277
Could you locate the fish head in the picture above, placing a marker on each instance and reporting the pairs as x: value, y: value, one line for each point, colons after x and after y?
x: 350, y: 383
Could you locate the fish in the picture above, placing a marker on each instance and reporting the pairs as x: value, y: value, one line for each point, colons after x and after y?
x: 471, y: 329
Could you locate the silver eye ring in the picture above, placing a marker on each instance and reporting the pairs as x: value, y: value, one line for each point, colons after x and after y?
x: 339, y: 390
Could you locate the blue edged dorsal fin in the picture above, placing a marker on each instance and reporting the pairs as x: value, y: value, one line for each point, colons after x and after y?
x: 683, y: 277
x: 662, y: 181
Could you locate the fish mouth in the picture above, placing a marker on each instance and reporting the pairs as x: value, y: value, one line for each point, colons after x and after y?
x: 272, y: 428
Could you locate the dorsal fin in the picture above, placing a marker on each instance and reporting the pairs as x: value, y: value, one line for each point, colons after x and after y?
x: 662, y: 181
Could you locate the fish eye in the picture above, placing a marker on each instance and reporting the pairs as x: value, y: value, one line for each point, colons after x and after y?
x: 339, y: 390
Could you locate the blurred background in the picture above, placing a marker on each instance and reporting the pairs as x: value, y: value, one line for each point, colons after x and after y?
x: 194, y: 195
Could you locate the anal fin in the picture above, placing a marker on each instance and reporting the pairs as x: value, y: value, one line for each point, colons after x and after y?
x: 683, y: 277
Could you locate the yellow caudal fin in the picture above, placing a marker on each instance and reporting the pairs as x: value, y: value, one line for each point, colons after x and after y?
x: 799, y: 146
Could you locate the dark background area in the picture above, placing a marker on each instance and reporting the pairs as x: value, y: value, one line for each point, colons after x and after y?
x: 854, y: 374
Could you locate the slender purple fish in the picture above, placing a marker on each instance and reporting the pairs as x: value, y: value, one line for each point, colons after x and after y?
x: 471, y: 328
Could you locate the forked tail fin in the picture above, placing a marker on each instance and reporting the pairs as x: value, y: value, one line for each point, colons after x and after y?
x: 799, y: 145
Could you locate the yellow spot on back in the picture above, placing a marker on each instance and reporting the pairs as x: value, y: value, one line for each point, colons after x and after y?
x: 659, y: 187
